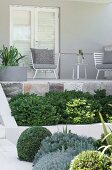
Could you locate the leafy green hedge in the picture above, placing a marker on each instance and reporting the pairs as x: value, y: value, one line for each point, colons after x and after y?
x: 73, y: 107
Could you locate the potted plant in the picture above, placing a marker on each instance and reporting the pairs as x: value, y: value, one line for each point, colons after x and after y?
x: 80, y: 56
x: 9, y: 67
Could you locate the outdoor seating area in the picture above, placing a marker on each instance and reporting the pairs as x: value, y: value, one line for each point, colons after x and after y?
x: 56, y: 85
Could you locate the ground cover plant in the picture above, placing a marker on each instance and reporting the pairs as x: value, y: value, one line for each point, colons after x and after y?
x: 60, y: 141
x: 29, y: 142
x: 59, y: 160
x: 69, y: 107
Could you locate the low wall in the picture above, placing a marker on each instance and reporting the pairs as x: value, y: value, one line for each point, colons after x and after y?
x: 93, y: 130
x: 40, y: 87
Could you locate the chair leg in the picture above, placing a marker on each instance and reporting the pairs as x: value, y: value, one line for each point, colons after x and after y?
x: 35, y: 74
x: 55, y: 74
x: 97, y: 74
x: 85, y: 73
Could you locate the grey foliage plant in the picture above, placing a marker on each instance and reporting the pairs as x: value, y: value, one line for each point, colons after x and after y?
x: 59, y: 160
x: 60, y: 141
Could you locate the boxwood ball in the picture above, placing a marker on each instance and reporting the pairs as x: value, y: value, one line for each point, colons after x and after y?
x: 29, y: 142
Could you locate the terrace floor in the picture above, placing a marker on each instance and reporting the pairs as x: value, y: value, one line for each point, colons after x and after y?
x: 8, y: 157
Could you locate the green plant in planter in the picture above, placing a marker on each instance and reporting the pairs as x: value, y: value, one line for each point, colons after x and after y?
x: 107, y: 137
x: 81, y: 53
x: 10, y: 56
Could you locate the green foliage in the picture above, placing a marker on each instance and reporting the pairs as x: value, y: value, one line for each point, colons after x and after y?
x: 33, y: 110
x: 106, y: 132
x: 69, y: 107
x: 82, y: 111
x: 59, y: 160
x: 10, y: 56
x: 91, y: 160
x: 107, y: 137
x: 29, y: 142
x: 60, y: 141
x: 99, y: 94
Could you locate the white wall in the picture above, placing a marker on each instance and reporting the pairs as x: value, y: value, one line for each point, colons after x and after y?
x: 86, y: 26
x: 93, y: 130
x: 5, y: 112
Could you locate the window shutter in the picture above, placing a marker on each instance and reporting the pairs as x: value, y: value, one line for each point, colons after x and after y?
x: 46, y: 30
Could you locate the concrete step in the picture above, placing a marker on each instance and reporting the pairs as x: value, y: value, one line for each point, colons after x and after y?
x: 9, y: 159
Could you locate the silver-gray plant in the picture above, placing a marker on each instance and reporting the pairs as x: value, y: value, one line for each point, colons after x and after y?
x: 60, y: 141
x: 59, y: 160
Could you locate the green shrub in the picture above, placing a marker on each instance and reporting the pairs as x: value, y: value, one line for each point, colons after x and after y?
x: 29, y: 142
x: 106, y: 108
x: 82, y: 111
x: 60, y: 141
x: 59, y: 160
x: 60, y: 99
x: 99, y: 94
x: 58, y: 108
x: 91, y: 160
x: 33, y: 110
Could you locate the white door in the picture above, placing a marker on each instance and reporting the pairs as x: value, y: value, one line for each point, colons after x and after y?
x: 47, y: 28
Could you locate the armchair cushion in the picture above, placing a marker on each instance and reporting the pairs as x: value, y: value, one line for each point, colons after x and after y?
x: 104, y: 66
x: 44, y: 66
x: 42, y: 56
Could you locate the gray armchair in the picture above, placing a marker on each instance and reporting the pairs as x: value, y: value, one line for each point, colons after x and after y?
x: 45, y: 60
x: 103, y: 62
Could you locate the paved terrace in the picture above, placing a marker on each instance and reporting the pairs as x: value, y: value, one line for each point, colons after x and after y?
x: 8, y: 157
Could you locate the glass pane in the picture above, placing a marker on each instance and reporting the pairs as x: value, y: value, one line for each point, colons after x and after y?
x: 22, y: 33
x: 24, y: 49
x: 46, y: 30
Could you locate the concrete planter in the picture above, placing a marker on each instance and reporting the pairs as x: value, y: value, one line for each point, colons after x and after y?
x: 91, y: 130
x: 13, y: 73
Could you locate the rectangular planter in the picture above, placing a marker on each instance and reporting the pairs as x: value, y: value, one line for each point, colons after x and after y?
x: 90, y: 130
x: 13, y: 73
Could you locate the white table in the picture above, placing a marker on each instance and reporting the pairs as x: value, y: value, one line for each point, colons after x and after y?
x: 78, y: 65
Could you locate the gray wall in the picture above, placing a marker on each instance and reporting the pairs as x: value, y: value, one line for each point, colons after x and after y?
x: 86, y: 26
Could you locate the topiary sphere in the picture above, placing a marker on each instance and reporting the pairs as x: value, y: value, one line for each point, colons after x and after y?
x: 29, y: 142
x: 91, y: 160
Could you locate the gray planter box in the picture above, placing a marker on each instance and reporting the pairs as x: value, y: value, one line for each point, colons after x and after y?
x: 91, y: 130
x: 13, y: 73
